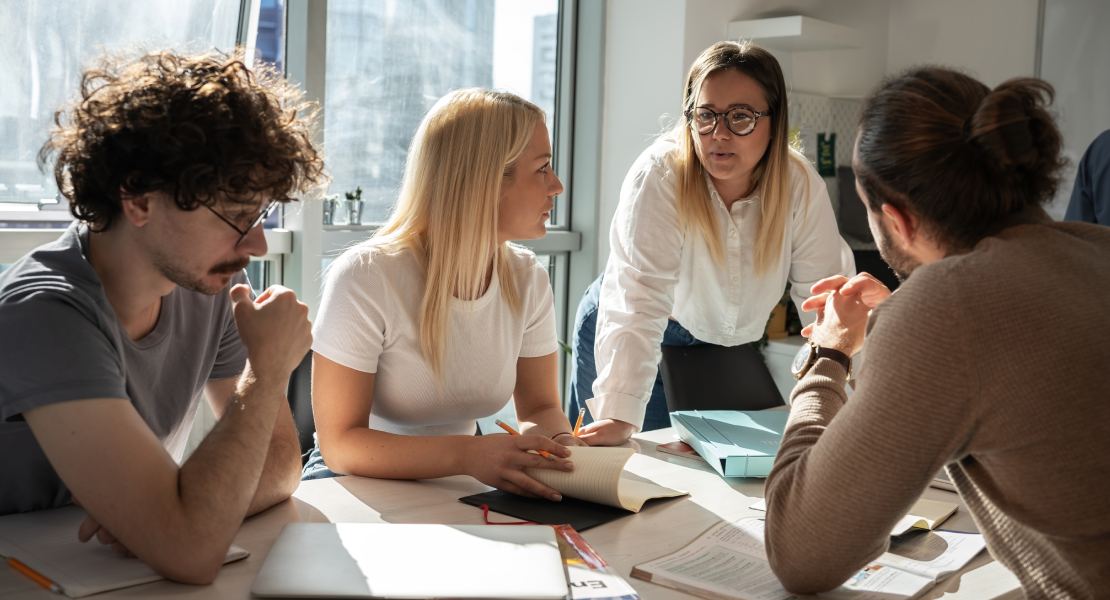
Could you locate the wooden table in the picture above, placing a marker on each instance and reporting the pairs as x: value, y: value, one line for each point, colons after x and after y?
x: 662, y: 527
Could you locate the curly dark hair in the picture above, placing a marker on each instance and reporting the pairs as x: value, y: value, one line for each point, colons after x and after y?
x: 199, y: 127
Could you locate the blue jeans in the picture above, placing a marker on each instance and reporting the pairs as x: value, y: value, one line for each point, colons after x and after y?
x: 585, y: 370
x: 315, y: 467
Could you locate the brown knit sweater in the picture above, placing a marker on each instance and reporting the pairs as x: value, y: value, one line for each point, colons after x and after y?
x: 993, y: 363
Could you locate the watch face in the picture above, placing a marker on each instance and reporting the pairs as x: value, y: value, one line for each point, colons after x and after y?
x: 801, y: 359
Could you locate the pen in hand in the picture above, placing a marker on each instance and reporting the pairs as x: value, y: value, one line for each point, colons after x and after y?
x: 512, y: 431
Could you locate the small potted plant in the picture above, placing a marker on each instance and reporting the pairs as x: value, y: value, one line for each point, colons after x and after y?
x: 354, y: 207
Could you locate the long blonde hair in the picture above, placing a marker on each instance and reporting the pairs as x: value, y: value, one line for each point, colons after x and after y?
x: 463, y: 153
x: 771, y: 175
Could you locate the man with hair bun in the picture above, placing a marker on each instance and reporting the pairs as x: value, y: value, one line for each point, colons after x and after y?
x: 988, y: 361
x: 113, y: 333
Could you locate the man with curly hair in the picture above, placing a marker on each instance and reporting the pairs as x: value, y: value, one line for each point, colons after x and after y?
x: 114, y: 332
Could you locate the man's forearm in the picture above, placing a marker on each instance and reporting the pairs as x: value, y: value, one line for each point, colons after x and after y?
x: 218, y: 482
x: 281, y: 473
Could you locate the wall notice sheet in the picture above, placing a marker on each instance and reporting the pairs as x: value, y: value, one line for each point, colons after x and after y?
x: 589, y: 577
x: 729, y: 561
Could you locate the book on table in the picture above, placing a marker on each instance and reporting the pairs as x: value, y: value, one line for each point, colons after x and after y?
x: 598, y: 478
x: 46, y: 541
x: 735, y: 443
x: 680, y: 448
x: 589, y: 577
x: 729, y: 561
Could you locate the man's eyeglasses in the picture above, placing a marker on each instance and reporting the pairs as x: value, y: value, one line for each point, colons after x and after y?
x: 740, y: 121
x: 266, y: 211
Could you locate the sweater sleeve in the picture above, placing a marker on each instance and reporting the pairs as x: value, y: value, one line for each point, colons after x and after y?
x: 846, y: 472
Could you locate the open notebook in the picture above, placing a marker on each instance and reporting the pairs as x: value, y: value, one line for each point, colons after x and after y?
x: 46, y: 541
x: 598, y: 477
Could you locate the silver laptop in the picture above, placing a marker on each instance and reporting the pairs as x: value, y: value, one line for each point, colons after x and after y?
x: 372, y: 560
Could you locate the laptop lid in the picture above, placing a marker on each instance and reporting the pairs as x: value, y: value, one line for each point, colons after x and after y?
x: 377, y: 560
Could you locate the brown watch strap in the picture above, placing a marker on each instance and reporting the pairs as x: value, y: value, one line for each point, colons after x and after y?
x: 834, y: 355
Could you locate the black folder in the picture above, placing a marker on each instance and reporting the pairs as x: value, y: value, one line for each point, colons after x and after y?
x: 579, y: 514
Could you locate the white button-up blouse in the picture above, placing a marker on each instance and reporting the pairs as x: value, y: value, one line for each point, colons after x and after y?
x: 653, y: 274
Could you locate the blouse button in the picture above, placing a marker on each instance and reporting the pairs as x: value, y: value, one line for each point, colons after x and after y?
x: 732, y: 233
x: 735, y: 280
x: 728, y: 330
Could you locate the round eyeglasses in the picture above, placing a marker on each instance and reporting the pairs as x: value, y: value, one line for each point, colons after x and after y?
x: 255, y: 222
x: 740, y: 121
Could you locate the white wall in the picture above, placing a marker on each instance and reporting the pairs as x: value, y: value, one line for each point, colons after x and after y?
x: 830, y: 73
x: 643, y: 81
x: 993, y: 39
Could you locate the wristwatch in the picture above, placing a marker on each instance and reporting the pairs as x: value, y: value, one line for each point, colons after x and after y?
x: 807, y: 356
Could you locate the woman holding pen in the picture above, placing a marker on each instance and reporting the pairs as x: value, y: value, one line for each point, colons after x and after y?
x: 714, y: 219
x: 438, y: 320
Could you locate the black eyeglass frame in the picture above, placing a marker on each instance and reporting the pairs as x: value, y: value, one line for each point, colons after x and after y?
x: 717, y: 117
x: 262, y: 216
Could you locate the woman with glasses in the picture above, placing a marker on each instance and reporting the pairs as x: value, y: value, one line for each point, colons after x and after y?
x: 714, y: 219
x: 438, y: 320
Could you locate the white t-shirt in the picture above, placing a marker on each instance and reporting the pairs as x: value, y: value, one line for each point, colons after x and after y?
x: 654, y: 273
x: 369, y: 321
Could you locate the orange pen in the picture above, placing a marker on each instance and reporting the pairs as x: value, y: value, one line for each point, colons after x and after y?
x: 39, y: 579
x: 512, y: 431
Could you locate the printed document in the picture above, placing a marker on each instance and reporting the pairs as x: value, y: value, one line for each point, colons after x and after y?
x: 729, y: 561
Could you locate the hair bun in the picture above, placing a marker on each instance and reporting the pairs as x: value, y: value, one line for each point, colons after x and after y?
x: 1009, y: 125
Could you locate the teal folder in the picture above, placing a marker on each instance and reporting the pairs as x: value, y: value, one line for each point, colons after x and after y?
x: 736, y: 443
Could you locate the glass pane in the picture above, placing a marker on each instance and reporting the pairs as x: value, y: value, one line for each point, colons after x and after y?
x: 42, y: 51
x: 389, y: 62
x: 270, y: 43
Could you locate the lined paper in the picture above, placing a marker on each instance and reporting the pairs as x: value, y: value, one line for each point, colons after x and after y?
x: 597, y: 478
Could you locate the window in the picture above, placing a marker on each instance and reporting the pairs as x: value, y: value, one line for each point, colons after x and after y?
x: 389, y: 62
x: 43, y: 49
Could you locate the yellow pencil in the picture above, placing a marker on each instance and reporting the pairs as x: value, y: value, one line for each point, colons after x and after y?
x: 512, y: 431
x: 581, y: 414
x: 39, y: 579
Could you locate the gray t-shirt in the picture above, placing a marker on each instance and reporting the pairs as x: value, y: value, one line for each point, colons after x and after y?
x: 60, y: 340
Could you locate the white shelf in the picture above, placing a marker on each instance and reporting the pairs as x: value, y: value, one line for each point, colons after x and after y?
x: 795, y: 34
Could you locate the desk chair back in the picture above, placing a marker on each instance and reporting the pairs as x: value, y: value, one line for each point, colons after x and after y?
x: 712, y: 377
x: 300, y: 402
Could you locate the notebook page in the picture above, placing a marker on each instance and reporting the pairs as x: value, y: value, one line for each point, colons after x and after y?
x: 634, y: 493
x: 924, y: 514
x: 932, y: 511
x: 596, y: 474
x: 46, y: 541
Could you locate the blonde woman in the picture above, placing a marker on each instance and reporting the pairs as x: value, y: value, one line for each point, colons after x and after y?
x: 437, y: 320
x: 714, y: 219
